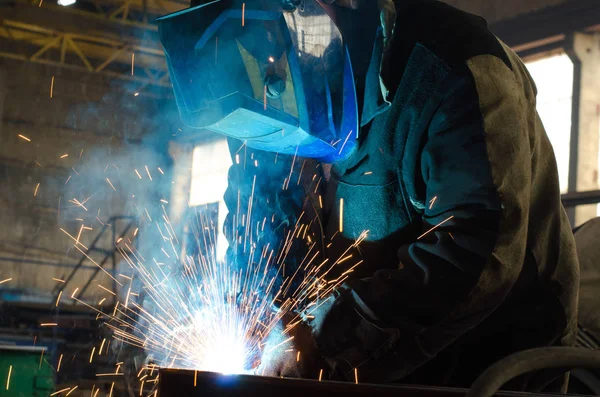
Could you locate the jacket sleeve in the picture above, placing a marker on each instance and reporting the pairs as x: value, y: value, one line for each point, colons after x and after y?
x: 476, y: 171
x: 262, y: 208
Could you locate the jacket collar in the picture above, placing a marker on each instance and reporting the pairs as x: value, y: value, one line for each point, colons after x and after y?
x: 376, y: 100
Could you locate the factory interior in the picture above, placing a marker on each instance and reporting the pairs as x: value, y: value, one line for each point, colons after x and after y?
x: 100, y: 176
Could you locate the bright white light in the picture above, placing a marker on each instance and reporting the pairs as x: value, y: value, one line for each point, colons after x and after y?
x: 554, y: 79
x: 217, y: 342
x: 136, y: 94
x: 227, y: 356
x: 271, y: 59
x: 210, y: 166
x: 66, y: 2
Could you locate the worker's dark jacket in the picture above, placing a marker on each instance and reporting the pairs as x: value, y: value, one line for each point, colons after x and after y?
x: 469, y: 254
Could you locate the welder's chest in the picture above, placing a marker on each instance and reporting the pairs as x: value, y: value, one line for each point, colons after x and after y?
x: 367, y: 199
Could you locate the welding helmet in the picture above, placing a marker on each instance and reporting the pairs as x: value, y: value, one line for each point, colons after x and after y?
x: 273, y: 73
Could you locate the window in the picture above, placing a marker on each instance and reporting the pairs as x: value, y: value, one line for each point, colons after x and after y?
x: 210, y: 165
x: 554, y: 80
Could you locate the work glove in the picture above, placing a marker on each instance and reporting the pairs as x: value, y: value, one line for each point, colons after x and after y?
x: 292, y: 358
x: 387, y: 16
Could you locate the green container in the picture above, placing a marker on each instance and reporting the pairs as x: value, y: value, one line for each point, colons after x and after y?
x: 27, y: 377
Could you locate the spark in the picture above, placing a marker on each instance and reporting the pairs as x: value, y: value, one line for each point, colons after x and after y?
x: 5, y: 281
x: 38, y: 164
x: 432, y: 201
x: 345, y: 142
x: 58, y: 298
x: 138, y: 174
x: 35, y: 191
x: 435, y: 227
x: 368, y: 173
x: 160, y: 170
x: 60, y: 391
x: 92, y: 354
x: 164, y: 201
x: 59, y: 362
x: 48, y: 325
x: 298, y: 356
x: 148, y: 172
x: 136, y: 94
x: 52, y: 81
x: 320, y: 375
x: 243, y: 14
x: 195, y: 377
x: 64, y: 155
x: 72, y: 238
x: 96, y: 393
x: 111, y: 389
x: 79, y: 234
x: 115, y: 374
x: 111, y: 185
x: 41, y: 358
x: 132, y: 62
x: 97, y: 265
x: 24, y: 138
x: 211, y: 316
x: 107, y: 290
x: 72, y: 390
x: 356, y: 375
x: 282, y: 343
x: 58, y: 279
x: 8, y: 379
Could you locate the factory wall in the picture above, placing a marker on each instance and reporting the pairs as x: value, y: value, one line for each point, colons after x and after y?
x: 494, y: 10
x: 58, y: 152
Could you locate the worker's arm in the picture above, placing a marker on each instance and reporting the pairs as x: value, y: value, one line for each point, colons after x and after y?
x: 476, y: 171
x: 260, y: 210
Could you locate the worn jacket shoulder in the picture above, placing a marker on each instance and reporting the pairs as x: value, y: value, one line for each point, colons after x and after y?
x: 452, y: 35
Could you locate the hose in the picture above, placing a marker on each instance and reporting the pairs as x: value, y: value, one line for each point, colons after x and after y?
x: 532, y: 360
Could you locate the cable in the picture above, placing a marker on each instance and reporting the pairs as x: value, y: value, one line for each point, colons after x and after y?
x: 532, y: 360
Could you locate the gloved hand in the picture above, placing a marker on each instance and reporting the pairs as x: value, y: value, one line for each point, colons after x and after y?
x: 282, y: 359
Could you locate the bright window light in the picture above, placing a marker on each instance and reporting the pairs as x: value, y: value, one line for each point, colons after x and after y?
x: 66, y: 2
x: 210, y: 166
x: 553, y: 77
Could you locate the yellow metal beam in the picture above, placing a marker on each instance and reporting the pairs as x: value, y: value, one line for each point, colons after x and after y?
x: 97, y: 54
x: 86, y: 47
x: 123, y: 12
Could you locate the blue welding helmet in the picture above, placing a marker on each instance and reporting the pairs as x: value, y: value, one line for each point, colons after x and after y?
x: 273, y: 73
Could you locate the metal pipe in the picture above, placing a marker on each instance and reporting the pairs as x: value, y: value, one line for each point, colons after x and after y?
x: 574, y: 199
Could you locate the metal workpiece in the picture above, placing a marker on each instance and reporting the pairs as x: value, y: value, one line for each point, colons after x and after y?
x: 185, y: 383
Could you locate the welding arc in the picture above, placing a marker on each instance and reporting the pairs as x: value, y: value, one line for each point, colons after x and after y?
x: 559, y: 358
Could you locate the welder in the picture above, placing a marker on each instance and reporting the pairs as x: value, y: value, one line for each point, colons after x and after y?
x: 409, y: 120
